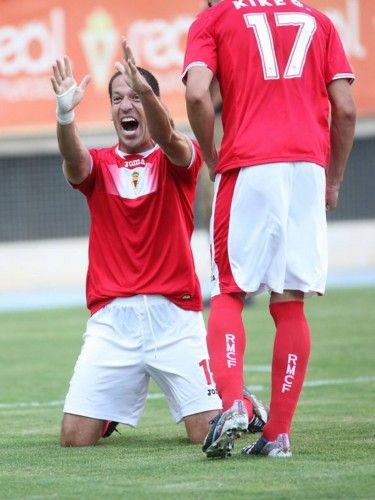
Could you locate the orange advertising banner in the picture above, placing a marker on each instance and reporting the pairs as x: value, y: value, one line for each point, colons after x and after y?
x: 89, y: 31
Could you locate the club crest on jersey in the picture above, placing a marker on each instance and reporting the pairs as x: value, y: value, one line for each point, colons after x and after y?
x: 135, y: 178
x: 132, y: 182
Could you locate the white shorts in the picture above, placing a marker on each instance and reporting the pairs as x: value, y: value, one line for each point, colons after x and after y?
x: 268, y: 229
x: 127, y: 342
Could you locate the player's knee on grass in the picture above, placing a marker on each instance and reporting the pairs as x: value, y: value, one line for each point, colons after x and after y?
x: 198, y: 425
x: 77, y: 431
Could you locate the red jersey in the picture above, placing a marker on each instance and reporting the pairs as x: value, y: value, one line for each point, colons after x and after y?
x: 274, y: 63
x: 141, y: 209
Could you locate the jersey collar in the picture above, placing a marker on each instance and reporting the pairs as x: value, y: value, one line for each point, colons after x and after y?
x: 144, y: 154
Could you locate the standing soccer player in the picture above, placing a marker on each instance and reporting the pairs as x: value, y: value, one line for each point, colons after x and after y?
x: 142, y: 289
x: 282, y: 71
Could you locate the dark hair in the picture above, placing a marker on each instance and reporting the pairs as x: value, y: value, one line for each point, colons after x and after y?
x: 149, y: 77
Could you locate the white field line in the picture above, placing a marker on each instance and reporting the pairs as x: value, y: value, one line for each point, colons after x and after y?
x: 340, y: 381
x: 255, y: 388
x: 257, y: 368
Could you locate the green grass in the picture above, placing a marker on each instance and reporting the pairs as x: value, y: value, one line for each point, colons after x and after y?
x: 333, y: 438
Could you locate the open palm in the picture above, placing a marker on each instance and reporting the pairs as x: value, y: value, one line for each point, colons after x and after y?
x: 63, y: 81
x: 128, y: 68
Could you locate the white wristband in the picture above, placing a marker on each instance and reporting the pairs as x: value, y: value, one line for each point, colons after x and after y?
x: 64, y: 111
x: 64, y: 118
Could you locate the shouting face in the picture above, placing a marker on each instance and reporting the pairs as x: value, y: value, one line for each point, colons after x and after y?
x: 129, y: 118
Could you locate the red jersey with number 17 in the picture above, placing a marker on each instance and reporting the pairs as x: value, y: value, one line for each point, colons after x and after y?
x: 274, y: 62
x: 141, y: 209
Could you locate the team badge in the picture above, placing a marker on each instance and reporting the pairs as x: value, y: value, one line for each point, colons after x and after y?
x: 135, y: 179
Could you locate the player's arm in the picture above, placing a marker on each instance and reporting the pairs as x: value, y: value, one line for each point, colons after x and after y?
x: 160, y: 124
x: 174, y: 144
x: 201, y: 112
x: 343, y: 117
x: 77, y: 160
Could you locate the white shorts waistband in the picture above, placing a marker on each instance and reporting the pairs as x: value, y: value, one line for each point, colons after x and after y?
x: 138, y: 299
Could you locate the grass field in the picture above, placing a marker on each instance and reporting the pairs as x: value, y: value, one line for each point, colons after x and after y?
x: 333, y: 439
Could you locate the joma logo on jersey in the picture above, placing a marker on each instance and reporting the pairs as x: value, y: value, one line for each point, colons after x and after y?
x: 290, y: 372
x: 230, y: 342
x: 134, y: 163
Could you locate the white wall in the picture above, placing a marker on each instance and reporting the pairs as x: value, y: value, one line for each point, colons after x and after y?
x: 55, y: 270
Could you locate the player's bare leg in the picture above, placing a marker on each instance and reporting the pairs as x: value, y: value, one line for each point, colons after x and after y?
x: 80, y: 431
x: 288, y: 295
x: 198, y: 425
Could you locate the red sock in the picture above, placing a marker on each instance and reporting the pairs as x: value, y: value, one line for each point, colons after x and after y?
x: 290, y: 357
x: 226, y: 340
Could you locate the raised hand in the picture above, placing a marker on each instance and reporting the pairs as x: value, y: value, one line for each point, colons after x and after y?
x: 68, y: 93
x: 128, y: 68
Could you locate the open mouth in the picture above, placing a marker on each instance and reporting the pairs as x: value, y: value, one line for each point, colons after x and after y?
x: 129, y: 124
